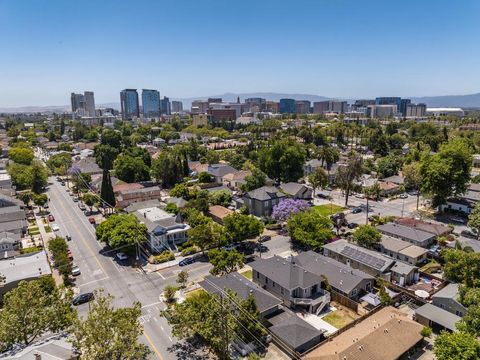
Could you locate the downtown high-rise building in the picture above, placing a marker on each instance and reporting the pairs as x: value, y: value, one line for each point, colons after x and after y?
x: 129, y: 104
x: 287, y: 106
x: 165, y: 108
x: 330, y: 106
x: 78, y: 103
x: 89, y: 104
x: 177, y: 106
x: 151, y: 103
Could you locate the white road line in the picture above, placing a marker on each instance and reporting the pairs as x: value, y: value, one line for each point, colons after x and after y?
x: 152, y: 304
x: 94, y: 281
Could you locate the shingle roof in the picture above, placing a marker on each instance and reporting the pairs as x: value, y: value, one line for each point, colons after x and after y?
x: 438, y: 315
x: 339, y: 275
x: 405, y: 232
x: 220, y: 169
x: 265, y: 193
x: 403, y: 268
x: 433, y: 228
x: 370, y: 258
x: 449, y: 292
x: 292, y: 188
x: 292, y: 329
x: 285, y: 273
x: 396, y: 179
x: 385, y: 335
x: 242, y: 287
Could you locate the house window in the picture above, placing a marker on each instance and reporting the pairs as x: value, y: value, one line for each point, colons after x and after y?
x: 273, y: 283
x: 442, y: 306
x: 266, y: 280
x: 458, y: 313
x: 258, y: 275
x: 354, y: 292
x: 281, y: 291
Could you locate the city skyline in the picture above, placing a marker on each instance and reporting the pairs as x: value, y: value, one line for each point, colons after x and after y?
x: 410, y: 50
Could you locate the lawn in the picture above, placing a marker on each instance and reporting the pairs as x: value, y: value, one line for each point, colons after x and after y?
x: 194, y: 292
x: 48, y: 229
x: 431, y: 267
x: 340, y: 317
x: 327, y: 209
x: 247, y: 274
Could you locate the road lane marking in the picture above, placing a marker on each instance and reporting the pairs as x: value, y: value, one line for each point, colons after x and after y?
x: 152, y: 304
x: 152, y: 345
x: 94, y: 281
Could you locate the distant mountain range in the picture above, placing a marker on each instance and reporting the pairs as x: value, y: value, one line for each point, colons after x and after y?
x: 464, y: 101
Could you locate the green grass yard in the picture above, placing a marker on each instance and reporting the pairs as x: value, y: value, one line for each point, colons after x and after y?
x: 328, y: 209
x: 247, y: 274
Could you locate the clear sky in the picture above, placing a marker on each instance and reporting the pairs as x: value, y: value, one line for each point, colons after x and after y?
x: 186, y: 48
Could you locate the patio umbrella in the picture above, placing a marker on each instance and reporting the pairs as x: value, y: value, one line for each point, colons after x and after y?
x: 422, y: 293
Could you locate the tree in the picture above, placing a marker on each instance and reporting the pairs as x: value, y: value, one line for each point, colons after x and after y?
x: 169, y: 294
x: 250, y: 330
x: 106, y: 192
x: 254, y: 181
x: 474, y: 220
x: 60, y: 163
x: 168, y: 168
x: 25, y: 196
x: 309, y: 229
x: 105, y: 156
x: 121, y: 229
x: 413, y: 178
x: 59, y: 249
x: 426, y: 332
x: 138, y: 152
x: 81, y: 181
x: 456, y: 346
x: 21, y: 176
x: 220, y: 197
x: 182, y: 278
x: 39, y: 176
x: 287, y: 207
x: 22, y: 155
x: 181, y: 191
x: 90, y: 200
x: 205, y: 235
x: 318, y: 179
x: 470, y: 322
x: 131, y: 169
x: 112, y: 138
x: 462, y: 267
x: 328, y: 155
x: 108, y: 332
x: 447, y: 173
x: 225, y: 262
x: 388, y: 166
x: 204, y: 177
x: 374, y: 191
x: 349, y: 173
x: 240, y: 227
x: 367, y: 236
x: 30, y: 311
x: 384, y: 296
x: 40, y: 199
x: 283, y: 161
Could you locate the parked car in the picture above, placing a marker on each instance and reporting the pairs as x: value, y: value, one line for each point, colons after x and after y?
x: 51, y: 218
x: 356, y: 210
x: 91, y: 220
x: 69, y: 254
x: 230, y: 247
x: 63, y: 183
x: 352, y: 225
x: 55, y: 227
x: 75, y: 199
x: 187, y: 261
x: 82, y: 298
x: 68, y: 237
x: 75, y: 270
x: 264, y: 238
x: 81, y: 206
x: 403, y: 196
x: 458, y: 220
x: 121, y: 256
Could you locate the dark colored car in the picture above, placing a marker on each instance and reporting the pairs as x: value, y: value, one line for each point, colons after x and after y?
x: 82, y: 298
x: 469, y: 234
x: 352, y: 225
x: 187, y: 261
x: 91, y: 220
x: 356, y: 210
x: 264, y: 238
x: 51, y: 218
x: 68, y: 237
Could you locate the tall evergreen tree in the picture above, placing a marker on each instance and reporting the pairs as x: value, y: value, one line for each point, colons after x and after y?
x: 107, y: 194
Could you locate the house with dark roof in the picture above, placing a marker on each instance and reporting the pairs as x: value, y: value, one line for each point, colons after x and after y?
x: 311, y: 166
x: 371, y: 262
x: 343, y: 279
x: 218, y: 171
x: 87, y: 166
x: 297, y: 191
x: 412, y: 235
x: 8, y: 244
x: 13, y: 219
x: 387, y: 334
x: 130, y: 196
x: 296, y: 286
x: 165, y: 230
x: 436, y: 318
x: 261, y: 201
x: 266, y: 302
x: 430, y: 227
x: 403, y: 250
x: 448, y: 299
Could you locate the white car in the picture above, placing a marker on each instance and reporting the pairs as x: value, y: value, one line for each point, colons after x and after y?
x: 121, y: 256
x: 75, y: 270
x: 55, y: 227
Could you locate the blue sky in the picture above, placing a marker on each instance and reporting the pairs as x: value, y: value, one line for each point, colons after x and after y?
x: 186, y: 48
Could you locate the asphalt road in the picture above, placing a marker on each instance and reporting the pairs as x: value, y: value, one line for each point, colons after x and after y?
x: 102, y: 271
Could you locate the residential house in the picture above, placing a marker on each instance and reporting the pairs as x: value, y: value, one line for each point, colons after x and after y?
x: 23, y: 267
x: 13, y: 219
x: 266, y: 302
x: 234, y: 180
x: 218, y: 171
x: 448, y: 299
x: 388, y: 188
x: 297, y: 191
x: 395, y: 179
x: 126, y: 197
x: 430, y: 227
x: 261, y: 201
x: 8, y: 244
x: 218, y: 213
x: 343, y: 279
x: 464, y: 203
x: 96, y: 183
x: 296, y: 286
x: 311, y: 166
x: 196, y: 167
x: 387, y: 334
x: 165, y: 230
x: 436, y: 318
x: 412, y: 235
x: 5, y: 180
x: 371, y: 262
x: 87, y: 166
x: 54, y: 347
x: 403, y: 250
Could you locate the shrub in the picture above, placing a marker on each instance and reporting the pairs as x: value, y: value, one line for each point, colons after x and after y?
x: 426, y: 331
x: 189, y: 250
x: 165, y: 256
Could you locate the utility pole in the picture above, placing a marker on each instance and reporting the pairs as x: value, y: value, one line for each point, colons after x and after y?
x: 366, y: 215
